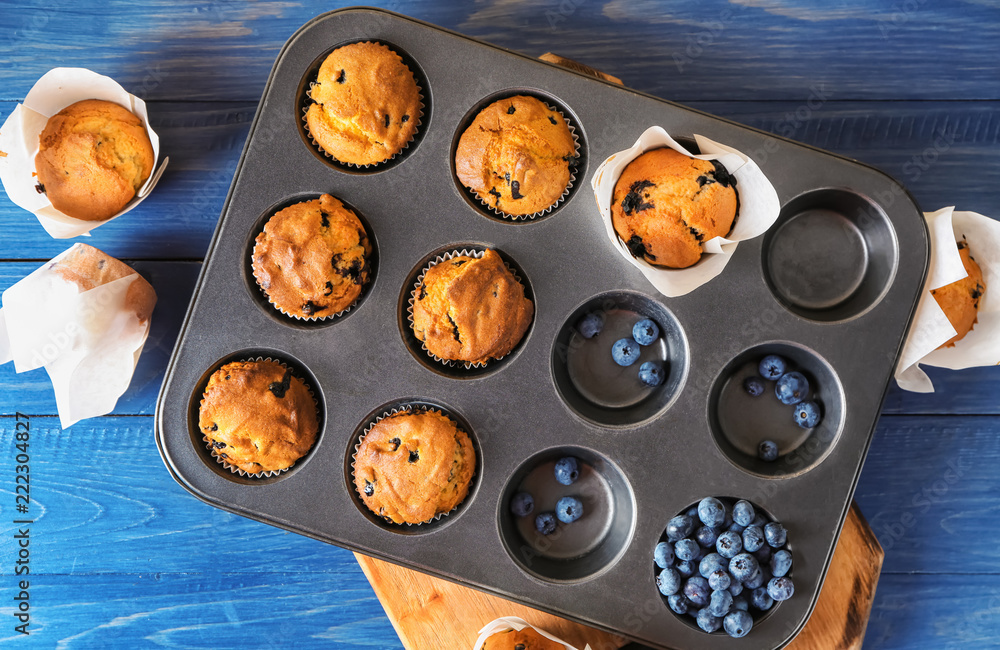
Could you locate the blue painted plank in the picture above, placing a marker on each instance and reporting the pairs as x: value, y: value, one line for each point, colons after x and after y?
x: 715, y: 49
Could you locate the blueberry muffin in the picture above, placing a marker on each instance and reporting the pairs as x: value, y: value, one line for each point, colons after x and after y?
x: 93, y: 157
x: 525, y: 639
x: 960, y: 300
x: 413, y: 466
x: 366, y: 104
x: 666, y: 205
x: 312, y: 259
x: 258, y: 417
x: 516, y: 156
x: 471, y: 310
x: 88, y: 268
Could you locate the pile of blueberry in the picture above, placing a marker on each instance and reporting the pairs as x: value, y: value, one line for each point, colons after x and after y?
x: 625, y: 352
x: 568, y: 509
x: 722, y: 565
x: 790, y: 387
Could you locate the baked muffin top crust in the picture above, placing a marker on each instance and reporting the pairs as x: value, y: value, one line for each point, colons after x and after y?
x: 960, y: 300
x: 525, y: 639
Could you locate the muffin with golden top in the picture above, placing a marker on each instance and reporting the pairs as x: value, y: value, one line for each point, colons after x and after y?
x: 471, y: 310
x: 366, y: 104
x: 666, y: 205
x: 312, y: 258
x: 524, y: 639
x: 93, y: 157
x: 413, y: 466
x: 516, y: 156
x: 257, y: 416
x: 960, y: 300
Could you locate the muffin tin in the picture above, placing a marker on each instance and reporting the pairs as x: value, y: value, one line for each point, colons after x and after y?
x: 833, y: 285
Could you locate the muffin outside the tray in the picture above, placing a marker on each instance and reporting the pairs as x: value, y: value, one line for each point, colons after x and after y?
x: 666, y: 205
x: 93, y: 157
x: 471, y: 310
x: 258, y: 417
x: 366, y: 106
x: 960, y: 300
x: 524, y: 639
x: 413, y: 466
x: 516, y: 156
x: 311, y: 260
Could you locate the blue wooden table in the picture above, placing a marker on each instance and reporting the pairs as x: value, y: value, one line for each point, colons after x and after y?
x: 122, y: 556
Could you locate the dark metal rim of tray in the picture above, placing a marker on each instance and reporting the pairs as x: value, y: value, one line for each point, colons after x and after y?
x: 667, y: 459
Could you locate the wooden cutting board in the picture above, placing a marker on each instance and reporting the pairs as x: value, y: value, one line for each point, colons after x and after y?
x: 430, y: 613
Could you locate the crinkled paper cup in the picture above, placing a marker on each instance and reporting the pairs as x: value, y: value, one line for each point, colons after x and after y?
x: 930, y: 328
x: 57, y: 89
x: 758, y: 208
x: 514, y: 623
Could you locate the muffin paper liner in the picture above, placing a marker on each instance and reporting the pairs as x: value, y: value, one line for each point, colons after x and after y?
x: 413, y: 296
x: 390, y: 413
x: 418, y: 118
x: 930, y: 327
x: 315, y: 318
x: 514, y: 623
x: 758, y: 209
x: 242, y: 472
x: 569, y: 185
x: 54, y: 91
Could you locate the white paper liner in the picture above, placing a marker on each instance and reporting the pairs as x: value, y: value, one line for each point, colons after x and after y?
x: 931, y: 328
x: 569, y: 185
x: 506, y: 623
x: 418, y: 118
x: 395, y: 411
x: 265, y: 474
x: 88, y: 342
x: 314, y: 318
x: 413, y: 295
x: 57, y: 89
x: 758, y: 209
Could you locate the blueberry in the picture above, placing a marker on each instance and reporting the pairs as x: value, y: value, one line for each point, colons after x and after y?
x: 759, y: 520
x: 807, y: 415
x: 719, y: 579
x: 760, y: 599
x: 781, y: 563
x: 590, y: 326
x: 758, y: 579
x: 720, y: 603
x: 567, y: 470
x: 679, y: 604
x: 792, y: 388
x: 730, y: 544
x: 625, y: 352
x: 767, y: 450
x: 522, y: 504
x: 711, y: 563
x: 708, y: 621
x: 743, y: 513
x: 569, y: 509
x: 706, y: 536
x: 754, y: 386
x: 780, y: 588
x: 753, y: 539
x: 663, y: 555
x: 763, y: 554
x: 735, y: 588
x: 737, y: 624
x: 736, y: 528
x: 679, y: 527
x: 772, y: 366
x: 697, y: 591
x: 686, y: 568
x: 711, y: 512
x: 668, y: 582
x: 645, y: 332
x: 743, y: 566
x: 545, y: 523
x: 651, y: 373
x: 775, y: 534
x: 686, y: 549
x: 692, y: 512
x: 740, y: 604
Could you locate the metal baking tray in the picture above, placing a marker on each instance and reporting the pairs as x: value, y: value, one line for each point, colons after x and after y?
x: 832, y: 285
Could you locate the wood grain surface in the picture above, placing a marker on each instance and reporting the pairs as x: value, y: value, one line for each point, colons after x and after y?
x: 123, y: 557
